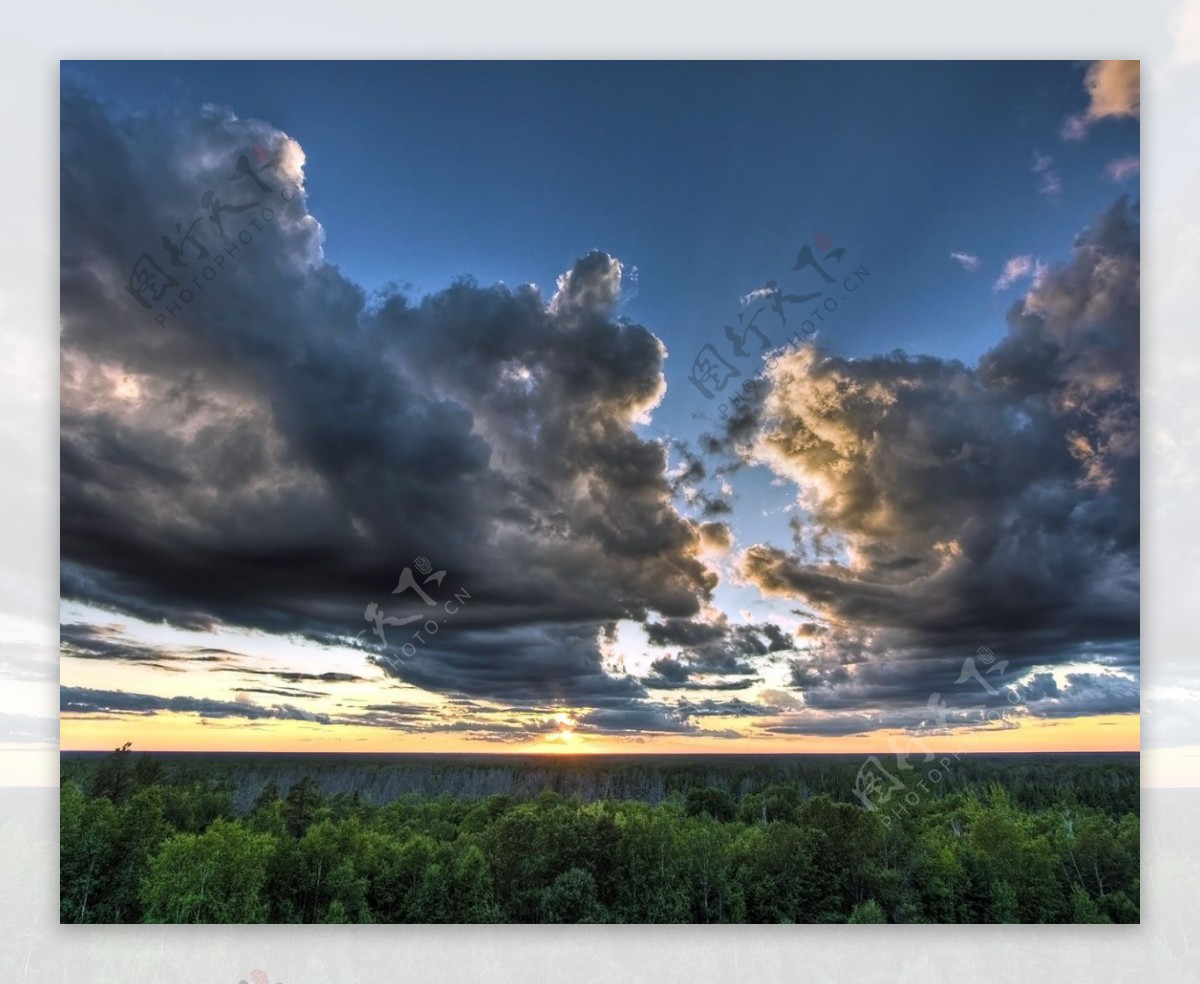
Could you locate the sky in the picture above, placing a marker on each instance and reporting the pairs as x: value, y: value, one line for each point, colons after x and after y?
x: 477, y: 367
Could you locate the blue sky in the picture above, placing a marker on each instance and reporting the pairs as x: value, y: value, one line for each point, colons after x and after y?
x: 704, y: 179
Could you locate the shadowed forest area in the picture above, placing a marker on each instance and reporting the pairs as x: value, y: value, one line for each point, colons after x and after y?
x: 640, y: 839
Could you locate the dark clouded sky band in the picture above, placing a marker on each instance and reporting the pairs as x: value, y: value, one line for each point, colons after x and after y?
x: 271, y: 459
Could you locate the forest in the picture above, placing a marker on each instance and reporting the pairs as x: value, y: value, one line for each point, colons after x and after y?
x: 580, y: 839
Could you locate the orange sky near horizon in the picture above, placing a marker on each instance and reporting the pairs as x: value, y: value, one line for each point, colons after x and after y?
x: 169, y: 732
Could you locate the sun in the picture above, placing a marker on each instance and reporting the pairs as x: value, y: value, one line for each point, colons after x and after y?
x: 564, y: 733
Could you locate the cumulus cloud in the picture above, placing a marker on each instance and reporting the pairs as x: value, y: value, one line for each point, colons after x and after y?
x: 274, y: 451
x: 996, y: 503
x: 716, y: 536
x: 592, y: 286
x: 1114, y: 91
x: 1015, y: 270
x: 968, y: 261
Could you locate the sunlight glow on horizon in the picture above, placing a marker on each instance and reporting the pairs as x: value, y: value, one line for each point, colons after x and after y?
x: 169, y: 732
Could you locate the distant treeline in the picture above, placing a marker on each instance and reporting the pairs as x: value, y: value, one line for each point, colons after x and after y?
x: 222, y: 839
x: 1107, y: 781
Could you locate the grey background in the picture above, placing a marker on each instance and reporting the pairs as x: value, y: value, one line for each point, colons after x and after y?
x: 1165, y: 34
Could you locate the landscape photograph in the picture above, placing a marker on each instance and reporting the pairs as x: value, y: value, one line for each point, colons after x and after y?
x: 644, y: 492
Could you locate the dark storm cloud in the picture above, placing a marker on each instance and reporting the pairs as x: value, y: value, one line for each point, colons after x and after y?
x: 530, y: 665
x: 403, y: 710
x: 1041, y: 686
x: 109, y: 642
x: 714, y: 647
x: 661, y: 683
x: 956, y: 507
x: 840, y: 725
x: 103, y: 642
x: 690, y: 470
x: 685, y: 632
x: 635, y: 717
x: 82, y: 700
x: 670, y: 670
x: 306, y: 694
x: 623, y: 716
x: 289, y: 676
x: 275, y: 454
x: 895, y: 685
x: 669, y: 673
x: 1083, y: 693
x: 533, y: 668
x: 723, y: 708
x: 415, y: 720
x: 711, y: 505
x: 620, y: 717
x: 936, y: 714
x: 514, y: 731
x: 806, y: 676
